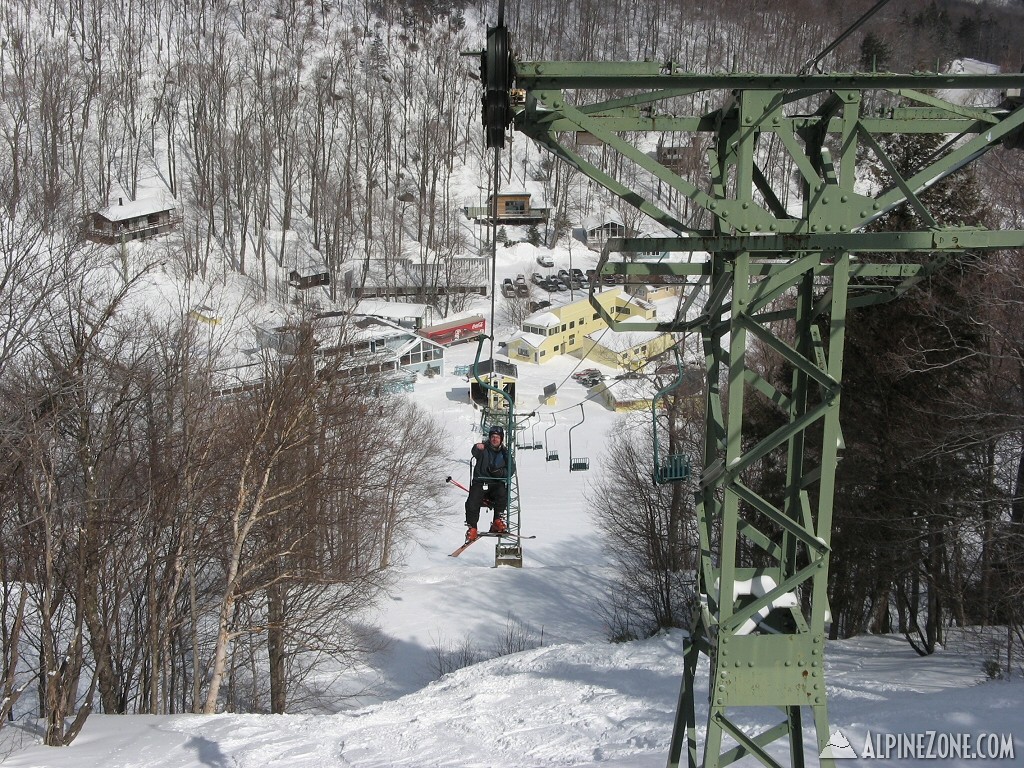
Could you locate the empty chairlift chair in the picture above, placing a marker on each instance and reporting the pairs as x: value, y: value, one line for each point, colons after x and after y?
x: 675, y: 467
x: 550, y: 451
x: 523, y: 442
x: 577, y: 463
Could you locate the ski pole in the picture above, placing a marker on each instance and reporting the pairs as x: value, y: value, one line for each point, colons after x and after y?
x: 456, y: 483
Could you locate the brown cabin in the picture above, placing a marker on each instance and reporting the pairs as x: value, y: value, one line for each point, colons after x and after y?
x: 513, y: 208
x: 302, y: 281
x: 132, y: 220
x: 680, y: 158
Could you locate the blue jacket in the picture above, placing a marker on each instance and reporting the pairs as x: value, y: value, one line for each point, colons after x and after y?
x: 491, y: 464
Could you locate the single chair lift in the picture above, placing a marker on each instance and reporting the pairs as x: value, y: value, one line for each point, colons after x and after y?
x: 577, y: 463
x: 552, y: 453
x: 676, y: 466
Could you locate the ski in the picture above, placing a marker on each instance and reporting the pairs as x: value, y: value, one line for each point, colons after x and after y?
x: 488, y: 535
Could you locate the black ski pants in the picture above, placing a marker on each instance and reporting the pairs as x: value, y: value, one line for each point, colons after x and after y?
x: 482, y: 491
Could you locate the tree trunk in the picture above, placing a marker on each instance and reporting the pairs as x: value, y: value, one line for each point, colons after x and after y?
x: 276, y: 648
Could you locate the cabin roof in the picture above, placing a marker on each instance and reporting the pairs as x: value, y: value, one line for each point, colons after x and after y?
x: 133, y: 209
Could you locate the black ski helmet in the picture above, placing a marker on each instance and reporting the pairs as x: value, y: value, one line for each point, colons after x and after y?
x: 496, y: 430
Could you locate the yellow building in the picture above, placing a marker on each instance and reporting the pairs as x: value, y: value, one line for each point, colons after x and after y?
x: 631, y: 392
x: 576, y: 329
x: 630, y: 350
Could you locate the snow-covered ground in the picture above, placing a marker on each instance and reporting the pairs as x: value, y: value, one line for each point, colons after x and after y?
x: 570, y: 698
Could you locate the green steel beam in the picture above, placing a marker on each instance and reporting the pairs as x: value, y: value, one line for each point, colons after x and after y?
x: 585, y: 75
x: 939, y: 239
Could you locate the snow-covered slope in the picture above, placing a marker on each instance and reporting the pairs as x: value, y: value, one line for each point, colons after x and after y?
x: 570, y: 698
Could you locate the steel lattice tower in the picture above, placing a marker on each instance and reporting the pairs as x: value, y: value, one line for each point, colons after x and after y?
x: 784, y: 279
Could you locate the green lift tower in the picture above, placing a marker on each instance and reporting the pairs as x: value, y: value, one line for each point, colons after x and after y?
x: 783, y: 274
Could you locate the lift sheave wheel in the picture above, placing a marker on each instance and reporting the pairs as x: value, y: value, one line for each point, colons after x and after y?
x: 496, y: 73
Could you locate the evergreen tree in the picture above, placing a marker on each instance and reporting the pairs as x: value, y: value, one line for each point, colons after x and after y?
x: 875, y: 53
x: 533, y: 235
x: 907, y: 481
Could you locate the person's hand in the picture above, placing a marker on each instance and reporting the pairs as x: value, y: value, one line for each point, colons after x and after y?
x: 480, y: 446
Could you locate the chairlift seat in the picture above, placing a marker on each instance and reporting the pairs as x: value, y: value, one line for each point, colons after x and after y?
x: 579, y: 464
x: 552, y: 455
x: 675, y: 468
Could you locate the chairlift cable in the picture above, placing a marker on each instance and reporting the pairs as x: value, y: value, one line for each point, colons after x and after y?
x: 838, y: 41
x: 494, y: 241
x: 496, y: 73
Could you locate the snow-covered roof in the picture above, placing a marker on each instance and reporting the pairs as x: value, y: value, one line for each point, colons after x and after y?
x: 972, y: 67
x: 533, y: 339
x: 544, y: 318
x: 665, y: 309
x: 635, y: 301
x: 967, y: 98
x: 622, y: 341
x: 361, y: 328
x: 133, y: 209
x: 608, y: 216
x: 391, y: 309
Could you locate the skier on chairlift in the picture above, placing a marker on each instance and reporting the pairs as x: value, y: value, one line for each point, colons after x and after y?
x: 490, y: 477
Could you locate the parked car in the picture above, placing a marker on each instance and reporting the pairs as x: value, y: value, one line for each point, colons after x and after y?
x: 508, y: 290
x: 577, y: 273
x: 537, y: 278
x: 522, y: 289
x: 589, y: 378
x: 563, y: 274
x: 537, y: 306
x: 561, y: 285
x: 520, y: 279
x: 545, y: 260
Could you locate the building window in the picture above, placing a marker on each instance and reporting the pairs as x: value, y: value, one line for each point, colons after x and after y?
x: 572, y: 323
x: 515, y: 207
x: 523, y: 352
